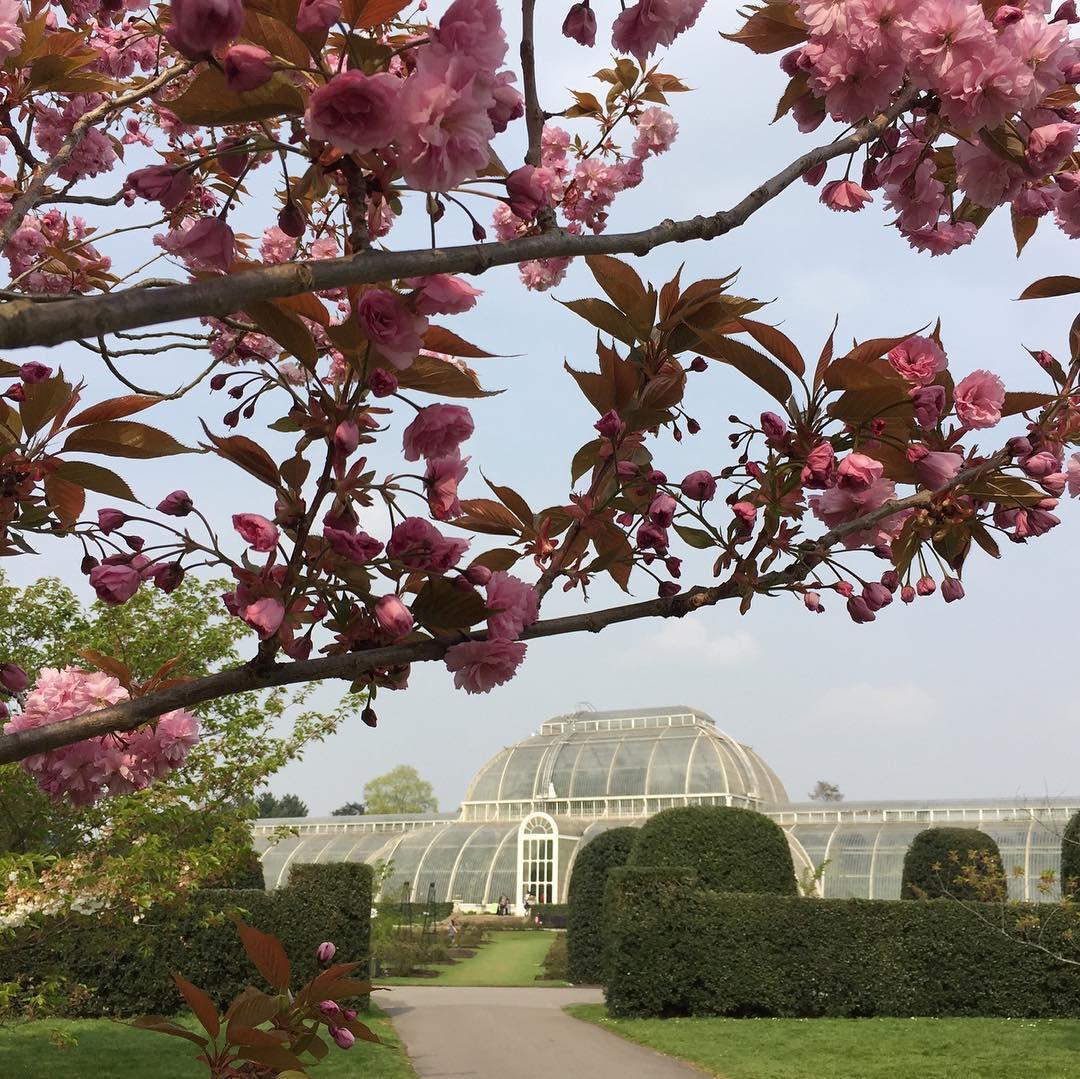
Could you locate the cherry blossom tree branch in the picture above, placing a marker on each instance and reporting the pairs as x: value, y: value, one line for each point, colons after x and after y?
x: 257, y: 675
x: 36, y: 190
x: 534, y: 115
x: 24, y: 324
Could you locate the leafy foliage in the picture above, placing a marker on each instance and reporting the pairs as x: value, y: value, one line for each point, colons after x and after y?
x: 585, y: 920
x: 824, y: 791
x: 680, y: 950
x: 730, y: 849
x: 1070, y: 858
x: 401, y: 790
x: 939, y: 863
x: 288, y: 805
x: 128, y: 965
x: 349, y: 809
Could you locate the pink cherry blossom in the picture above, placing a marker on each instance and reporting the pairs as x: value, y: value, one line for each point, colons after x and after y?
x: 978, y: 400
x: 11, y: 33
x: 356, y: 112
x: 443, y: 294
x: 441, y: 479
x: 418, y: 545
x: 580, y: 25
x: 200, y: 26
x: 513, y: 605
x: 208, y: 242
x: 1073, y: 471
x: 388, y: 323
x: 264, y: 615
x: 656, y: 131
x: 929, y: 405
x: 393, y: 616
x: 256, y: 531
x: 317, y: 16
x: 820, y: 469
x: 479, y: 666
x: 1049, y: 147
x: 934, y: 469
x: 918, y: 359
x: 473, y: 28
x: 641, y: 28
x: 247, y: 67
x: 115, y: 584
x: 436, y: 431
x: 356, y: 546
x: 845, y: 195
x: 984, y: 176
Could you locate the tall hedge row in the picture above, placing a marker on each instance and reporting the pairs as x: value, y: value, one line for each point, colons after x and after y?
x: 1070, y: 858
x: 128, y: 965
x: 731, y: 850
x: 679, y: 950
x: 935, y: 864
x: 585, y: 922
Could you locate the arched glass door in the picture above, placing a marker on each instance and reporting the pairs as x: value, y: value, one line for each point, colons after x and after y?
x: 538, y: 859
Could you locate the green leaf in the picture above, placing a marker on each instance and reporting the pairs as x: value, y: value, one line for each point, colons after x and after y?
x: 695, y: 537
x: 124, y: 438
x: 95, y: 478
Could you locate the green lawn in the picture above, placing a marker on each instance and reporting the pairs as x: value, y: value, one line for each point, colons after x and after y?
x: 859, y: 1048
x: 508, y: 958
x: 112, y: 1050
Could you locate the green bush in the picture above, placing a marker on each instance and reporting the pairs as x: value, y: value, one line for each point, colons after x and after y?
x: 129, y: 965
x: 551, y: 915
x: 585, y: 902
x: 732, y: 850
x: 962, y: 863
x: 1070, y: 858
x: 679, y: 950
x: 393, y: 908
x: 555, y: 960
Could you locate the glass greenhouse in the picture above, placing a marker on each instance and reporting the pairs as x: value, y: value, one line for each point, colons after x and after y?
x: 534, y: 805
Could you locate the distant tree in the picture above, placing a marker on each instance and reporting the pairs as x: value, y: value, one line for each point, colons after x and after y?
x: 288, y: 805
x: 401, y: 790
x: 826, y: 792
x: 350, y: 809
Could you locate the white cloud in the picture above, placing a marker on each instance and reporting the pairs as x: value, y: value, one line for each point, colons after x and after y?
x: 688, y: 640
x: 866, y: 702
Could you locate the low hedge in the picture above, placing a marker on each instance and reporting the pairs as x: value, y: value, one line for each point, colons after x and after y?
x: 585, y: 922
x: 128, y: 966
x: 1070, y: 858
x: 679, y: 950
x: 962, y: 863
x: 551, y: 915
x: 393, y: 907
x: 732, y: 850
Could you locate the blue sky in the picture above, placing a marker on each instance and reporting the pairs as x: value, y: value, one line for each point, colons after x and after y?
x: 931, y: 701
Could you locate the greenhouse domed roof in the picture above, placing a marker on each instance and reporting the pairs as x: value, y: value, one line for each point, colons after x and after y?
x: 652, y: 752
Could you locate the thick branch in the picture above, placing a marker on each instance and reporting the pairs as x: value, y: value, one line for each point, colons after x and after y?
x: 35, y: 192
x: 534, y: 115
x: 23, y: 324
x: 128, y: 715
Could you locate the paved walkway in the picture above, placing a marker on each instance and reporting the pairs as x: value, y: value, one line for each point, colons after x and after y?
x: 467, y: 1033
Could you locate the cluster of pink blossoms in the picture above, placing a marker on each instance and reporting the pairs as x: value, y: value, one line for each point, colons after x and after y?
x: 983, y: 71
x: 640, y: 29
x: 583, y: 192
x: 116, y: 764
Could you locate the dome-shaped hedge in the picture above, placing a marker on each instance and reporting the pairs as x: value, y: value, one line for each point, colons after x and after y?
x: 963, y: 863
x: 585, y: 922
x: 732, y: 850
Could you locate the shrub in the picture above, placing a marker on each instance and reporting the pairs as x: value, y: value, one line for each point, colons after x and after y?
x: 585, y: 902
x: 963, y: 863
x: 393, y: 908
x: 1070, y: 858
x: 129, y: 965
x: 732, y: 850
x: 555, y: 960
x: 551, y: 915
x: 679, y: 950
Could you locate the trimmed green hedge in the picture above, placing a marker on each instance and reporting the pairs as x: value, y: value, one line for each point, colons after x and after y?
x: 732, y: 850
x: 1070, y: 858
x: 935, y: 863
x: 679, y: 950
x: 392, y: 907
x: 551, y: 915
x: 585, y: 923
x: 128, y: 966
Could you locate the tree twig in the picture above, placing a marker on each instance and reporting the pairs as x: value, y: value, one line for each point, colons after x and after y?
x: 23, y: 325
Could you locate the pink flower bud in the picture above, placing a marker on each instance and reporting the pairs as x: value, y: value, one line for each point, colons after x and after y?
x: 329, y: 1007
x: 382, y: 383
x: 247, y: 67
x: 907, y: 594
x: 16, y: 392
x: 926, y: 586
x: 13, y: 678
x: 529, y: 190
x: 33, y: 372
x: 317, y: 16
x: 177, y: 504
x: 160, y: 183
x: 652, y: 536
x: 929, y: 404
x: 1055, y: 483
x: 393, y: 616
x: 773, y: 426
x: 609, y: 425
x: 1005, y: 16
x: 700, y: 486
x: 478, y: 575
x: 845, y: 588
x: 662, y: 510
x: 369, y: 719
x: 667, y: 589
x: 812, y: 602
x: 326, y: 951
x: 346, y: 438
x: 256, y: 531
x: 745, y: 512
x: 820, y: 470
x: 1040, y: 464
x: 209, y: 242
x: 1066, y: 12
x: 115, y: 584
x: 343, y: 1037
x: 109, y: 520
x: 876, y: 596
x: 264, y: 616
x: 291, y: 220
x: 699, y: 364
x: 860, y: 610
x: 200, y: 26
x: 166, y: 576
x: 951, y: 590
x: 349, y: 1014
x: 580, y: 25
